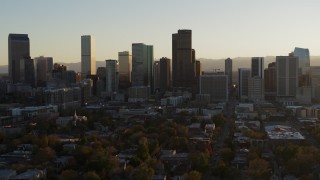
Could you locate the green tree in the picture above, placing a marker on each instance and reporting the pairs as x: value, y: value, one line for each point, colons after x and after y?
x: 143, y: 152
x: 68, y: 175
x: 259, y: 169
x: 199, y: 161
x: 154, y: 147
x: 227, y: 154
x: 193, y: 175
x: 143, y: 172
x: 91, y: 175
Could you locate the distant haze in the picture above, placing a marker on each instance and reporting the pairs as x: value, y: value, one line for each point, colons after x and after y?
x: 207, y: 64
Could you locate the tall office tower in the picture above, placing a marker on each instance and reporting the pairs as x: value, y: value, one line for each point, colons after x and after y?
x: 125, y: 68
x: 287, y: 75
x: 142, y: 62
x: 28, y: 71
x: 165, y: 74
x: 257, y: 67
x: 270, y: 81
x: 101, y: 73
x: 315, y: 81
x: 88, y: 59
x: 256, y: 89
x: 256, y: 81
x: 183, y: 61
x: 44, y: 67
x: 156, y: 76
x: 18, y: 48
x: 216, y: 85
x: 304, y: 59
x: 111, y: 76
x: 228, y: 72
x: 243, y: 75
x: 198, y: 76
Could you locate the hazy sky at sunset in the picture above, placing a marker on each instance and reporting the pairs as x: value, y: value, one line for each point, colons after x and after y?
x: 228, y: 28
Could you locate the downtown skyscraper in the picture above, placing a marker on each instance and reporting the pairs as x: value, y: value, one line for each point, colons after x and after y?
x: 18, y: 49
x: 183, y: 61
x: 142, y: 63
x: 228, y: 72
x: 125, y: 68
x: 88, y: 59
x: 287, y: 75
x: 112, y: 76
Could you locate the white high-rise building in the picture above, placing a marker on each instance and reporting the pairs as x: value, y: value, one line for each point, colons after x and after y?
x: 111, y: 76
x: 88, y: 59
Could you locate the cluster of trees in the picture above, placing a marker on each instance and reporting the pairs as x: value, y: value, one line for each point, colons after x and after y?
x: 298, y: 160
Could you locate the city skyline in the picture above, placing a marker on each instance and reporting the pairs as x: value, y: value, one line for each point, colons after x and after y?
x: 220, y: 29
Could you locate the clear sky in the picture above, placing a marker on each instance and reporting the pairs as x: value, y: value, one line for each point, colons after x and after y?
x: 221, y: 28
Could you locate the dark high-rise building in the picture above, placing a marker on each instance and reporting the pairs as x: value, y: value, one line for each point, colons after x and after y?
x: 165, y: 74
x: 142, y: 62
x: 257, y: 67
x: 270, y: 81
x: 18, y: 48
x: 44, y: 68
x: 183, y: 61
x: 60, y: 72
x: 243, y: 75
x: 112, y: 76
x: 287, y: 75
x: 156, y: 76
x: 101, y: 73
x: 28, y: 71
x: 228, y: 72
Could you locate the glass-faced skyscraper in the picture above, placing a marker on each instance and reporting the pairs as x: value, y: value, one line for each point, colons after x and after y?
x: 304, y: 59
x: 142, y: 62
x: 88, y: 59
x: 18, y: 48
x: 111, y: 76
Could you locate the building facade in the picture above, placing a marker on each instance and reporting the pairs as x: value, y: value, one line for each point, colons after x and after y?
x: 257, y: 67
x: 156, y: 76
x: 142, y: 63
x: 112, y: 76
x: 183, y: 61
x: 228, y: 72
x: 44, y: 66
x: 125, y: 69
x: 287, y: 76
x: 165, y: 74
x: 18, y: 48
x: 215, y: 85
x: 243, y: 75
x: 304, y: 59
x: 88, y: 59
x: 270, y: 81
